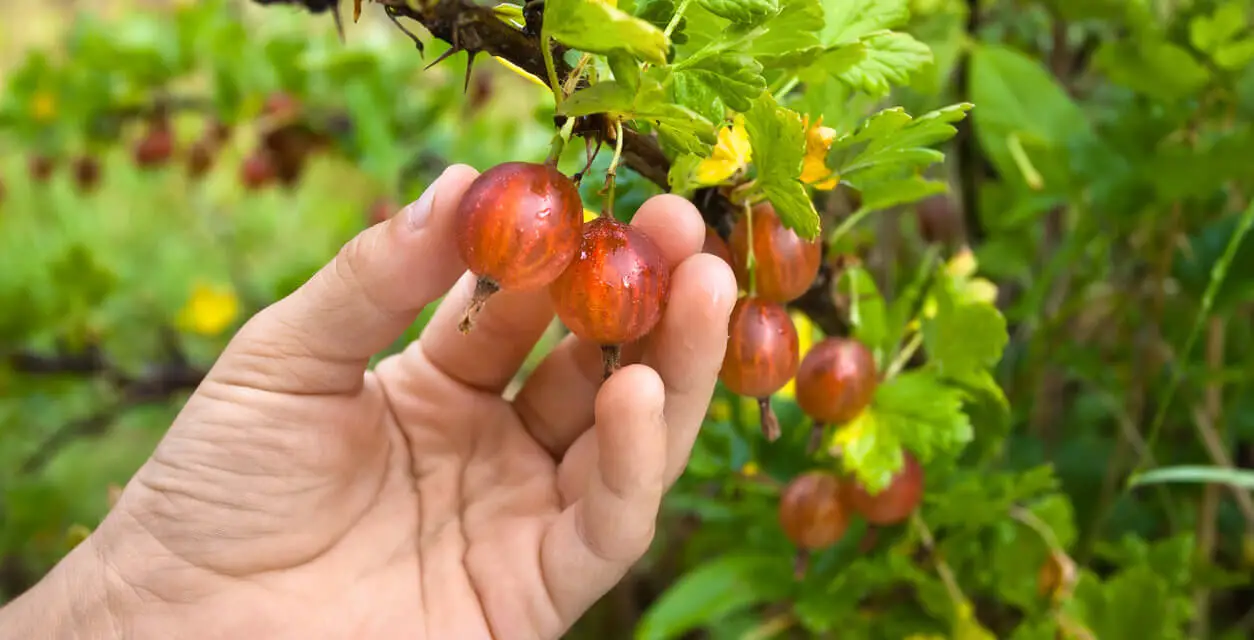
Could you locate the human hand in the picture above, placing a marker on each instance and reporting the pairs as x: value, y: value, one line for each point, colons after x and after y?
x: 298, y: 495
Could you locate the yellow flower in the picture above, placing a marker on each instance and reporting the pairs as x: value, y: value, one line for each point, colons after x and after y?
x: 805, y: 340
x: 720, y: 410
x: 814, y: 166
x: 209, y: 310
x: 962, y: 265
x: 44, y: 106
x: 589, y: 215
x: 750, y: 469
x: 731, y: 155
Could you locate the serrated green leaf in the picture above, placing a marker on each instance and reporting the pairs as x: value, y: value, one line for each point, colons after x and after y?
x: 885, y: 152
x: 625, y: 70
x: 1209, y: 33
x: 1153, y: 66
x: 749, y: 12
x: 849, y: 20
x: 790, y: 39
x: 680, y: 174
x: 647, y: 102
x: 676, y: 141
x: 963, y: 337
x: 659, y: 13
x: 888, y: 58
x: 880, y: 194
x: 691, y: 92
x: 603, y: 97
x: 915, y: 410
x: 777, y: 136
x: 597, y: 27
x: 734, y: 77
x: 713, y: 590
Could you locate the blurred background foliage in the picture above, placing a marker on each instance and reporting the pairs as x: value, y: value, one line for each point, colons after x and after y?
x: 1100, y: 182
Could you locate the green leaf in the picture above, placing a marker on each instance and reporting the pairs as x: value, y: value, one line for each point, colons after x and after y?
x: 750, y: 12
x: 1210, y: 33
x: 790, y: 39
x: 613, y: 97
x: 878, y: 195
x: 849, y: 20
x: 867, y: 312
x: 712, y: 591
x: 694, y: 94
x: 891, y: 146
x: 1152, y: 66
x: 964, y: 337
x: 777, y: 137
x: 1238, y: 478
x: 888, y: 58
x: 734, y: 77
x: 680, y: 175
x: 625, y: 70
x: 597, y: 27
x: 915, y: 410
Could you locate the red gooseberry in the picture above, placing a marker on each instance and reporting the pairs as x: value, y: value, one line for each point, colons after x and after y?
x: 836, y: 380
x: 715, y: 245
x: 813, y: 513
x: 616, y: 288
x: 893, y: 503
x: 257, y: 170
x: 200, y: 158
x: 761, y: 356
x: 518, y: 227
x: 86, y: 173
x: 41, y: 167
x: 786, y: 265
x: 155, y: 148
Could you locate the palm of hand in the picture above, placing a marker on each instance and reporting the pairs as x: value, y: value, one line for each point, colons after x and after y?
x: 291, y: 500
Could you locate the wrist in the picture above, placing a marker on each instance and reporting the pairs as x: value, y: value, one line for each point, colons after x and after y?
x: 79, y: 599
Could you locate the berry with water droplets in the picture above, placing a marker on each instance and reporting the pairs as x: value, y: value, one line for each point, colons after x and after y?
x: 895, y: 502
x: 786, y: 264
x: 518, y: 227
x: 813, y: 513
x: 762, y: 355
x: 615, y: 291
x: 835, y: 381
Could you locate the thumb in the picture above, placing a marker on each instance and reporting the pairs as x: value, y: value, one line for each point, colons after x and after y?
x: 319, y: 339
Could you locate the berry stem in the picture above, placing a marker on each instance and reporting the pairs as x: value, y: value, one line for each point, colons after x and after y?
x: 751, y: 262
x: 611, y: 360
x: 484, y: 288
x: 610, y: 173
x: 816, y: 437
x: 800, y: 563
x: 546, y: 49
x: 559, y: 142
x: 770, y: 424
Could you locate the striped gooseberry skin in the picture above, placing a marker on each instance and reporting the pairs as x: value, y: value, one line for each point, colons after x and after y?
x: 763, y: 349
x: 519, y: 225
x: 836, y: 380
x: 615, y: 290
x: 812, y: 510
x: 715, y: 245
x: 786, y: 264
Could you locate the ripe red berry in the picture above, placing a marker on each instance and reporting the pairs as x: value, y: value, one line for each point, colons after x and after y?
x: 257, y: 170
x: 896, y: 501
x: 86, y: 173
x: 762, y: 354
x: 813, y: 513
x: 41, y: 167
x: 835, y: 381
x: 518, y: 228
x: 786, y: 265
x: 281, y: 106
x: 715, y: 245
x: 615, y: 290
x: 155, y: 148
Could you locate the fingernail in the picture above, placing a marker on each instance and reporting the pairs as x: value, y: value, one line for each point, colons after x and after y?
x: 419, y: 212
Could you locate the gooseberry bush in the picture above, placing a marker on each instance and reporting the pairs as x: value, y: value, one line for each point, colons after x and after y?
x: 859, y: 474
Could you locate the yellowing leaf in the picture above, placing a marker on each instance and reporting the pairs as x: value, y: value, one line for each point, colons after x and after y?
x: 44, y: 106
x: 521, y: 72
x: 209, y: 310
x: 720, y: 410
x: 805, y: 340
x: 962, y: 265
x: 589, y: 215
x: 731, y: 155
x: 814, y: 166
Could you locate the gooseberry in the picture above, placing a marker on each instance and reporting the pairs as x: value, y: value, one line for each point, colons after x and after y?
x: 761, y: 356
x: 616, y: 288
x: 938, y: 220
x: 257, y: 170
x: 200, y: 158
x: 785, y: 264
x: 86, y: 173
x: 715, y: 245
x: 518, y: 228
x: 836, y: 380
x: 41, y: 167
x: 155, y: 148
x: 893, y: 503
x: 281, y: 105
x: 813, y: 513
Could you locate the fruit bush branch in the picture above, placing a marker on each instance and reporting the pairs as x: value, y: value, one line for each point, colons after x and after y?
x: 475, y: 28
